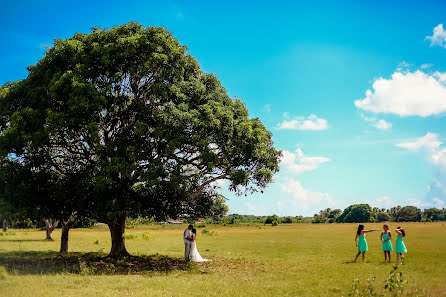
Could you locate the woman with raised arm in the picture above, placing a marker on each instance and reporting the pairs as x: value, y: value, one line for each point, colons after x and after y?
x: 400, y: 248
x: 386, y: 238
x: 360, y: 241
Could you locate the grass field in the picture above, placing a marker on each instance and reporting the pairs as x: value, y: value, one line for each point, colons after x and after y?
x: 255, y: 260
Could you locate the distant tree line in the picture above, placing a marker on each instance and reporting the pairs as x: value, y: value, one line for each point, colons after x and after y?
x: 364, y: 213
x: 356, y: 213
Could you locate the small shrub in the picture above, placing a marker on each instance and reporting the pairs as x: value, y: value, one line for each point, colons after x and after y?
x: 3, y: 272
x: 201, y: 226
x: 355, y: 292
x: 9, y: 232
x: 131, y: 236
x: 145, y: 236
x: 208, y: 233
x: 96, y: 241
x: 274, y: 223
x: 395, y: 282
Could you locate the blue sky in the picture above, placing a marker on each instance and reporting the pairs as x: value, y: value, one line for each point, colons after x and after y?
x: 353, y: 91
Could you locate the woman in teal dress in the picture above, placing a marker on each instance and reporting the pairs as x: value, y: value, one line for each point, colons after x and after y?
x: 400, y: 248
x: 360, y: 241
x: 386, y: 238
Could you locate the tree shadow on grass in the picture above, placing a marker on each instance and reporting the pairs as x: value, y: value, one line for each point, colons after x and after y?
x: 50, y: 262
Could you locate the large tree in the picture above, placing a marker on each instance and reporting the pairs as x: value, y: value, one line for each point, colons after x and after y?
x: 409, y: 214
x: 357, y: 213
x: 131, y: 107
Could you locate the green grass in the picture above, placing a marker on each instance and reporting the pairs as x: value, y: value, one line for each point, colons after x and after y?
x: 287, y: 260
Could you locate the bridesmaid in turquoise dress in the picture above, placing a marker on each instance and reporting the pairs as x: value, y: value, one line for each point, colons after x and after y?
x: 386, y: 238
x: 360, y: 241
x: 400, y: 248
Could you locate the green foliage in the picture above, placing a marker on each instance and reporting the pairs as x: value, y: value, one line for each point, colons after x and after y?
x: 142, y: 236
x: 355, y: 290
x: 209, y: 233
x: 327, y: 216
x: 357, y: 213
x: 434, y: 214
x: 395, y: 282
x: 133, y: 222
x: 369, y: 291
x: 271, y: 219
x: 9, y: 232
x: 409, y: 214
x: 383, y: 217
x: 275, y: 223
x: 286, y: 220
x: 3, y: 273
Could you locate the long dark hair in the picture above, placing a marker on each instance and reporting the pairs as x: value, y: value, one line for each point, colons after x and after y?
x: 194, y: 231
x: 360, y: 228
x: 402, y: 231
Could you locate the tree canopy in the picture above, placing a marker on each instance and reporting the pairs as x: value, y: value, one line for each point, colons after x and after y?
x: 357, y: 213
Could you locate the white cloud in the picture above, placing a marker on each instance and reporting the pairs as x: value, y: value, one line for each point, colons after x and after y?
x: 298, y: 163
x: 303, y: 200
x: 403, y: 66
x: 438, y: 203
x: 286, y: 115
x: 441, y: 76
x: 429, y: 141
x: 431, y: 145
x: 379, y: 124
x: 312, y: 122
x: 406, y: 94
x: 383, y: 125
x: 435, y: 202
x: 438, y: 37
x: 382, y: 202
x: 267, y: 108
x: 427, y: 65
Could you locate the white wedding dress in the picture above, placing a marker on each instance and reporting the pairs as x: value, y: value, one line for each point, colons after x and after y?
x: 194, y: 254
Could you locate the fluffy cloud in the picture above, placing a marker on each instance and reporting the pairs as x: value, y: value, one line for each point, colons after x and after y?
x: 312, y: 122
x: 383, y: 125
x: 382, y: 202
x: 431, y: 145
x: 438, y: 203
x: 379, y: 124
x: 406, y: 94
x: 440, y: 76
x: 438, y: 37
x: 305, y: 201
x: 298, y: 163
x: 427, y: 65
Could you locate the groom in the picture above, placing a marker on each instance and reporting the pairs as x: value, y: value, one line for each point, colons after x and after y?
x: 187, y: 241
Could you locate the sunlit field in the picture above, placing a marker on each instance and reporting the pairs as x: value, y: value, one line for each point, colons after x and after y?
x: 255, y: 260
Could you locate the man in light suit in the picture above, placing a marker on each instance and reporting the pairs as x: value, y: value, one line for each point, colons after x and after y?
x: 187, y: 241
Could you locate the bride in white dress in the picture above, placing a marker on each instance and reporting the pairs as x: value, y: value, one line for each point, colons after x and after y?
x: 194, y: 254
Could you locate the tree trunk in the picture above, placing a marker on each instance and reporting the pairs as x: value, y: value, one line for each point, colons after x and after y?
x: 66, y: 226
x: 5, y: 225
x: 117, y: 232
x: 50, y: 224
